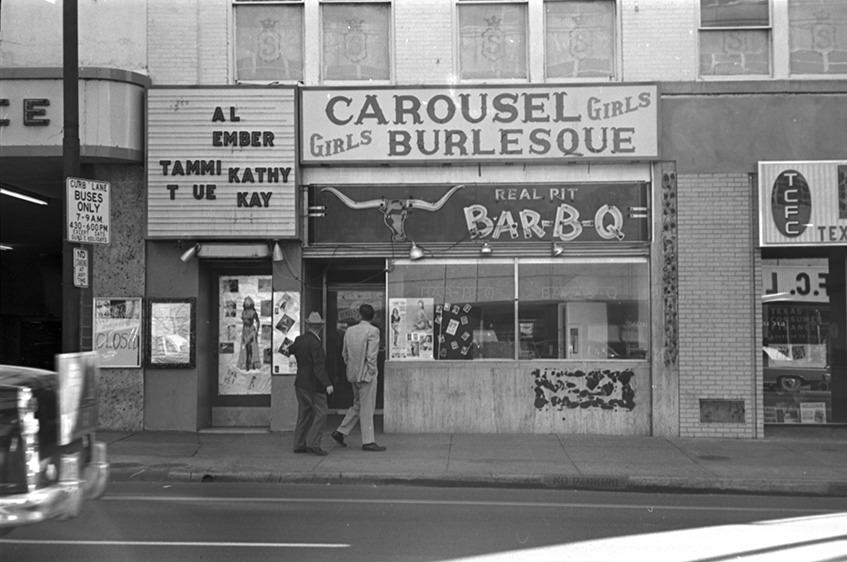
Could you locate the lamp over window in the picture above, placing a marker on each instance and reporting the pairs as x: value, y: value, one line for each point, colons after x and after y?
x: 190, y: 253
x: 485, y: 249
x: 415, y: 252
x: 278, y: 256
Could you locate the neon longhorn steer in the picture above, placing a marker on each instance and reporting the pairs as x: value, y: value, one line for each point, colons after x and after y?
x: 395, y: 211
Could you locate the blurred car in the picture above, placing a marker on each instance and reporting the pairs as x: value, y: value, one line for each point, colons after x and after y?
x: 50, y: 462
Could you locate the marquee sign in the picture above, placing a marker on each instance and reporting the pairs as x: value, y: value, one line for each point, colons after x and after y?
x: 481, y: 123
x: 221, y: 163
x: 592, y: 212
x: 803, y: 203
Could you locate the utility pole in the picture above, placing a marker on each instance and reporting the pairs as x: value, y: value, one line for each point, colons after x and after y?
x: 71, y: 306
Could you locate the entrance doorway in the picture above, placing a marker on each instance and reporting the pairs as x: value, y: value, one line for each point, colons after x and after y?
x: 342, y: 303
x: 240, y: 382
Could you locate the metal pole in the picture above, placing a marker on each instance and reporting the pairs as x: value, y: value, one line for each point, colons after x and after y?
x: 71, y: 308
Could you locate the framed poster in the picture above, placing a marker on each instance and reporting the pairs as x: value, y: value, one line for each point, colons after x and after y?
x: 171, y: 333
x: 286, y: 328
x: 116, y: 331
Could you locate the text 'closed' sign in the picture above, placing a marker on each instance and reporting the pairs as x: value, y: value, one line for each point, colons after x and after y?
x: 479, y: 124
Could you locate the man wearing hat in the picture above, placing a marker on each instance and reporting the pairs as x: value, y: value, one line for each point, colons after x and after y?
x: 311, y: 386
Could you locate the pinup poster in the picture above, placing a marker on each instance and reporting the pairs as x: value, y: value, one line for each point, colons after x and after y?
x: 410, y: 321
x: 244, y: 342
x: 286, y: 328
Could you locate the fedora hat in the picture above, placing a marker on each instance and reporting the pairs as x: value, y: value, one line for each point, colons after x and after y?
x: 314, y: 318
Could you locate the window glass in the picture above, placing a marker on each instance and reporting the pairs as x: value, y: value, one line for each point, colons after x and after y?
x: 492, y: 41
x: 580, y: 39
x: 472, y: 306
x: 735, y: 52
x: 734, y: 13
x: 818, y: 36
x: 584, y: 309
x: 356, y: 41
x: 795, y: 350
x: 728, y: 45
x: 268, y: 42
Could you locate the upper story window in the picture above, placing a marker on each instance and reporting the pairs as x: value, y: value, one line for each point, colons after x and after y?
x: 817, y: 36
x: 735, y: 37
x: 492, y: 40
x: 268, y: 41
x: 356, y: 41
x: 580, y: 38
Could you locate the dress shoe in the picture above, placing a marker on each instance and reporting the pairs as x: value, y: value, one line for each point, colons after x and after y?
x: 373, y: 447
x: 318, y: 451
x: 339, y: 438
x: 301, y: 450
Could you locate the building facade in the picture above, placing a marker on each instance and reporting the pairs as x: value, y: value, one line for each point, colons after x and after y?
x: 571, y: 216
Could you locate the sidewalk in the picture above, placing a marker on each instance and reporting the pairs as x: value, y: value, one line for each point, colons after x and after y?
x: 816, y: 466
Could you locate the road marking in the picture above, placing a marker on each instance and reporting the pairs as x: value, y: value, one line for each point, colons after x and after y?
x: 177, y: 543
x: 478, y: 503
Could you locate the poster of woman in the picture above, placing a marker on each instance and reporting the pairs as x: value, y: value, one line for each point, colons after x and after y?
x: 244, y: 341
x: 411, y: 328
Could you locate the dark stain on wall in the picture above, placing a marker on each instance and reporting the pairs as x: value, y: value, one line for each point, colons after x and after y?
x: 562, y: 389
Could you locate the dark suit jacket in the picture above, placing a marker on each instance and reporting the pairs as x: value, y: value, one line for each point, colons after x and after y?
x: 311, y: 363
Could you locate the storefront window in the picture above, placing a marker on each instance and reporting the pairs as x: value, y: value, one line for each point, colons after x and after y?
x: 589, y: 309
x: 584, y: 309
x: 796, y: 350
x: 452, y: 310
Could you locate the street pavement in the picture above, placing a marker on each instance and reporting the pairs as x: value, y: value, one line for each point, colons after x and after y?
x: 797, y: 465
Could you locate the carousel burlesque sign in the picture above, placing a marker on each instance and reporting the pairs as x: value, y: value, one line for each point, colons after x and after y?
x: 479, y: 123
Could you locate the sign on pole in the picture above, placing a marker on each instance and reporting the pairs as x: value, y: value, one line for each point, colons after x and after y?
x: 80, y: 268
x: 88, y: 211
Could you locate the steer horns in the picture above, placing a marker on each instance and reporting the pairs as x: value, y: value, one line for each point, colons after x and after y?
x: 394, y: 211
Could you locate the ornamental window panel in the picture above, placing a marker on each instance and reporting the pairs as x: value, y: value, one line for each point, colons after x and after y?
x: 580, y: 38
x: 735, y: 37
x: 355, y: 41
x: 268, y: 41
x: 817, y: 36
x: 493, y: 41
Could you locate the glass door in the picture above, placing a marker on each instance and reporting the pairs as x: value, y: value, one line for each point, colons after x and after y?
x: 342, y: 304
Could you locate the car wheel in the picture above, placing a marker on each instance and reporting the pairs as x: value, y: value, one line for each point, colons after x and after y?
x: 790, y: 384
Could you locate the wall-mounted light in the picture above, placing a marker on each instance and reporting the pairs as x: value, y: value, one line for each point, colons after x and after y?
x: 485, y: 249
x: 415, y: 252
x: 277, y: 253
x: 22, y: 196
x: 557, y: 250
x: 190, y: 253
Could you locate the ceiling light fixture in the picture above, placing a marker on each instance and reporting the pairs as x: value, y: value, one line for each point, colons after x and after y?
x: 22, y: 196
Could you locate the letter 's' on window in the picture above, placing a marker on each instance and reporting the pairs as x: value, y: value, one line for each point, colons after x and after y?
x: 355, y: 41
x: 492, y: 40
x: 735, y: 37
x: 268, y: 42
x: 580, y: 38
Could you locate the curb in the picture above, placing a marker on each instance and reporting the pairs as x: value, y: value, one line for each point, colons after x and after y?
x: 608, y: 483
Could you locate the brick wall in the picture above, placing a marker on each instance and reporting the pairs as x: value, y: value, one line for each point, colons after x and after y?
x: 188, y: 41
x: 719, y: 319
x: 423, y: 35
x: 659, y: 40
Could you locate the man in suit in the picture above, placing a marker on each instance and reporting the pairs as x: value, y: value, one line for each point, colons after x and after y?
x: 360, y: 350
x: 311, y: 386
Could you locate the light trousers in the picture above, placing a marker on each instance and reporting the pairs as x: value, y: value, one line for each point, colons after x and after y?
x: 362, y: 411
